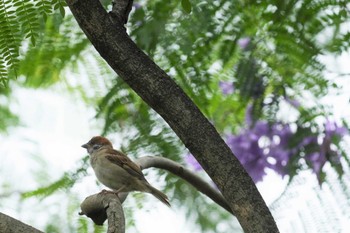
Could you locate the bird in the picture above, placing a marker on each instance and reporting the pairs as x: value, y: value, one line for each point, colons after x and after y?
x: 115, y: 170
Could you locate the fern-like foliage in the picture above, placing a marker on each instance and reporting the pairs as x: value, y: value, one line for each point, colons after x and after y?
x: 9, y: 39
x: 8, y: 118
x: 44, y: 7
x: 27, y: 17
x: 20, y: 20
x: 67, y: 180
x: 59, y: 5
x: 59, y: 46
x: 3, y: 72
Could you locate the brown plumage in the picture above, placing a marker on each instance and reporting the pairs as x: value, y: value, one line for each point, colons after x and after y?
x: 116, y: 171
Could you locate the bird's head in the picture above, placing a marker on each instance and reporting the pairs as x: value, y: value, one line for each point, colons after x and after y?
x: 96, y: 143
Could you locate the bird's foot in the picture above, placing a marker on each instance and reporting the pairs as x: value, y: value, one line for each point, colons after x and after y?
x: 104, y: 191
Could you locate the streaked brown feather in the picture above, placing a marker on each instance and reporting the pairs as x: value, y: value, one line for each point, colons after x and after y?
x: 120, y: 159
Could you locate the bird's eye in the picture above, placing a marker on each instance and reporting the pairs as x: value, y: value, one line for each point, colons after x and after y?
x: 96, y: 146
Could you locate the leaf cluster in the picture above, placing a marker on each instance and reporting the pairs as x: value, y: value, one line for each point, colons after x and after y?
x: 21, y: 20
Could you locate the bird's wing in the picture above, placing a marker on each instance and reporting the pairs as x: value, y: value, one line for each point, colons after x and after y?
x: 120, y: 159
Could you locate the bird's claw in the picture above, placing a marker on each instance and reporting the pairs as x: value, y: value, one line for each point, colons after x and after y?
x: 104, y: 191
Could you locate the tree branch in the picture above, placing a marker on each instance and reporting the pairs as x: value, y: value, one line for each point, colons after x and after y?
x: 121, y: 10
x: 160, y: 92
x: 94, y: 206
x: 105, y: 205
x: 11, y: 225
x: 182, y: 172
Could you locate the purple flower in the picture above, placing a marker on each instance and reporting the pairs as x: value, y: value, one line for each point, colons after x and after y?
x: 281, y: 157
x: 227, y: 88
x: 249, y: 115
x: 243, y: 42
x: 189, y: 158
x: 261, y: 128
x: 283, y: 132
x: 246, y: 148
x: 317, y: 159
x: 327, y: 146
x: 332, y: 129
x: 293, y: 102
x: 325, y: 149
x: 279, y: 148
x: 261, y: 147
x: 137, y: 5
x: 307, y: 141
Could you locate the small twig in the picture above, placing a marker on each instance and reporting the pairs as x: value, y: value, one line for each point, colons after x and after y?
x: 189, y: 176
x: 121, y: 10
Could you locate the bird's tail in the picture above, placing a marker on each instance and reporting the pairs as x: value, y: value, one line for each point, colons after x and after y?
x: 158, y: 194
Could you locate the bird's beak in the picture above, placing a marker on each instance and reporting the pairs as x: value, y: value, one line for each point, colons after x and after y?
x: 85, y: 146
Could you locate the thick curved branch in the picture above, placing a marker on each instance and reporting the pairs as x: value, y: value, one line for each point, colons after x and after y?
x: 189, y: 176
x: 160, y: 92
x: 121, y: 10
x: 102, y: 206
x: 11, y: 225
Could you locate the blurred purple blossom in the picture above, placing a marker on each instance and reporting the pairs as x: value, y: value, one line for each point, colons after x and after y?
x: 295, y: 103
x: 307, y: 141
x: 248, y: 152
x: 249, y: 115
x: 317, y: 159
x: 243, y: 42
x: 262, y: 147
x: 261, y: 128
x: 137, y: 5
x: 226, y: 87
x: 325, y: 151
x: 190, y: 160
x: 266, y: 146
x: 332, y: 129
x: 279, y: 148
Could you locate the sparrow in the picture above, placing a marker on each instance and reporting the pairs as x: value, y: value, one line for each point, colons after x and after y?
x: 116, y: 171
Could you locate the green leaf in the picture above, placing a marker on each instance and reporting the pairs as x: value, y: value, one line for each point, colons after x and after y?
x: 186, y: 6
x: 62, y: 11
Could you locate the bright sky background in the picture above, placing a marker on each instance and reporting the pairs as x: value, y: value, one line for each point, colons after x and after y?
x: 47, y: 144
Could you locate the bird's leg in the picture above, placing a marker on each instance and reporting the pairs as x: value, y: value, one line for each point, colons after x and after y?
x: 120, y: 189
x: 116, y: 192
x: 104, y: 191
